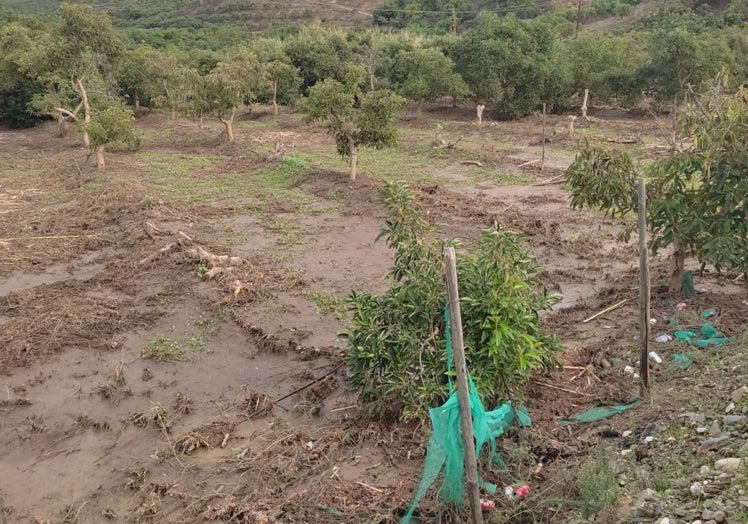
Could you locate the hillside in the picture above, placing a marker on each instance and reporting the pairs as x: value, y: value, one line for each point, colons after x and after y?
x: 253, y: 14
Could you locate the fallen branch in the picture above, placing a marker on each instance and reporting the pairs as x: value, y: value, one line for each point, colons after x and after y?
x: 558, y: 179
x: 47, y: 237
x: 529, y: 163
x: 169, y: 248
x: 606, y: 310
x: 472, y: 163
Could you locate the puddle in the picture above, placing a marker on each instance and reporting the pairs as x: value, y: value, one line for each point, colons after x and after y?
x: 83, y: 268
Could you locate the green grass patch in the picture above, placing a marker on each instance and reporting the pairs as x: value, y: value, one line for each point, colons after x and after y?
x: 329, y: 304
x: 167, y: 165
x: 164, y: 349
x: 598, y: 486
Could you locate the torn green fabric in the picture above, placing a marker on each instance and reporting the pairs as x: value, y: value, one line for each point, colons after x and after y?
x: 446, y: 453
x: 598, y: 413
x: 682, y: 360
x: 710, y: 336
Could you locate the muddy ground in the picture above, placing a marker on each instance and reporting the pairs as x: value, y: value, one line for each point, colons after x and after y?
x: 145, y: 379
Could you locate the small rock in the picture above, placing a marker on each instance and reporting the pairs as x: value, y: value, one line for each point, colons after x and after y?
x: 696, y: 522
x: 641, y: 451
x: 664, y: 520
x: 626, y: 433
x: 730, y: 407
x: 739, y: 393
x: 701, y: 430
x: 707, y: 514
x: 712, y: 443
x: 695, y: 418
x: 719, y: 517
x: 705, y: 471
x: 731, y: 465
x: 715, y: 429
x: 645, y: 496
x: 729, y: 420
x: 697, y: 489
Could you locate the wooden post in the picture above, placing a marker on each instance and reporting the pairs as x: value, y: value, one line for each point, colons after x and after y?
x: 471, y: 462
x: 579, y: 15
x: 643, y: 292
x: 542, y: 151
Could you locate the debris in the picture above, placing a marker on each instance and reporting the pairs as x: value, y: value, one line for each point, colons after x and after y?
x: 681, y: 306
x: 487, y: 505
x: 712, y: 443
x: 708, y: 313
x: 682, y: 360
x: 598, y: 413
x: 655, y: 357
x: 606, y: 310
x: 709, y: 337
x: 663, y: 337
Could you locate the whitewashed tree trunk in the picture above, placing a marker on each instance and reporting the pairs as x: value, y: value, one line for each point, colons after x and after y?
x: 584, y: 104
x: 570, y: 132
x: 275, y: 97
x: 100, y: 157
x: 86, y: 110
x: 479, y: 111
x: 229, y: 124
x: 354, y: 157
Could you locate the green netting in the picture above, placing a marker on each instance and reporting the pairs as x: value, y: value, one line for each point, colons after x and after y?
x: 598, y: 413
x: 446, y: 451
x: 710, y: 336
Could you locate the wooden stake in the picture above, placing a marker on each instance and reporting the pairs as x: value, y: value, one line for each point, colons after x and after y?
x: 606, y: 310
x: 471, y: 463
x: 645, y: 385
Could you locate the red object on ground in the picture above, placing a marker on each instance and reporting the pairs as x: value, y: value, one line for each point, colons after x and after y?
x: 487, y: 505
x: 522, y: 491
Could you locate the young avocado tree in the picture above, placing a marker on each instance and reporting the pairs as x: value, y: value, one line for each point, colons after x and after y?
x: 425, y: 75
x: 76, y: 51
x: 109, y: 124
x: 697, y: 200
x: 234, y: 82
x: 397, y: 342
x: 281, y: 77
x: 354, y: 118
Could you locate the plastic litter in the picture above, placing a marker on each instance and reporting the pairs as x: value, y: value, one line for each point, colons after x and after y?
x: 708, y: 313
x: 689, y: 288
x: 487, y: 505
x: 445, y: 451
x: 598, y: 413
x: 655, y: 357
x: 663, y: 337
x: 709, y: 337
x: 682, y: 360
x: 681, y: 306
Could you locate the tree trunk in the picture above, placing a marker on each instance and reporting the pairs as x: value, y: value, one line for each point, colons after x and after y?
x: 100, y: 157
x: 173, y: 113
x: 420, y: 106
x: 354, y: 157
x: 679, y: 262
x: 86, y: 110
x: 479, y: 111
x: 371, y: 79
x: 229, y: 124
x: 62, y: 126
x: 275, y: 97
x: 137, y: 103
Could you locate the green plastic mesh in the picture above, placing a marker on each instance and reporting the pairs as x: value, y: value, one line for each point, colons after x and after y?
x: 446, y: 454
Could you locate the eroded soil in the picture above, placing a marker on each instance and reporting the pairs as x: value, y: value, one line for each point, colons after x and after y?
x: 102, y: 275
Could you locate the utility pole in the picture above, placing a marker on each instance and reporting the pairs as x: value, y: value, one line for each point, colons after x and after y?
x: 454, y: 21
x: 579, y: 15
